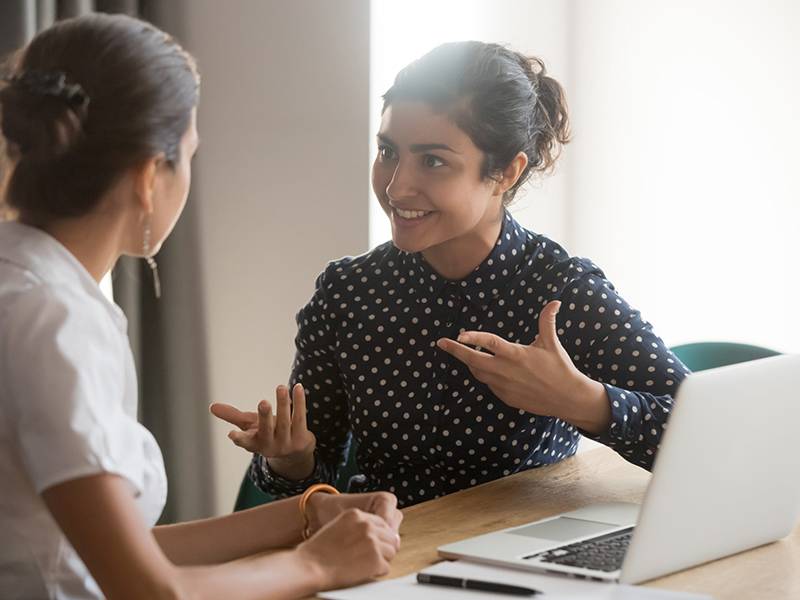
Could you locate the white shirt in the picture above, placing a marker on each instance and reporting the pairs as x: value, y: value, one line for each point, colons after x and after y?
x: 68, y: 400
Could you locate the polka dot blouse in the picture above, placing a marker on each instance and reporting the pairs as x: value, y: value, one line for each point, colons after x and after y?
x: 424, y: 427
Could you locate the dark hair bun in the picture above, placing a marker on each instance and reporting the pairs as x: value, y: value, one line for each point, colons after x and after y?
x: 550, y: 122
x: 43, y: 114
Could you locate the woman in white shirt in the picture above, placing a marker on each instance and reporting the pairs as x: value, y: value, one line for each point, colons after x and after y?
x: 98, y: 122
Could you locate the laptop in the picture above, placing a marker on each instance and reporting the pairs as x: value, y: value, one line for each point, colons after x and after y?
x: 726, y: 479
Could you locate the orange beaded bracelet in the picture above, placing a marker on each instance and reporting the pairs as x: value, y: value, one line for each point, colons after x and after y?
x: 317, y: 487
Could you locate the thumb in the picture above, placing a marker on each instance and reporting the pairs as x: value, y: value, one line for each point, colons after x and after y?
x: 548, y: 338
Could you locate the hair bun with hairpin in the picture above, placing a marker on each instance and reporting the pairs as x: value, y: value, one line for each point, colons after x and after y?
x: 51, y: 83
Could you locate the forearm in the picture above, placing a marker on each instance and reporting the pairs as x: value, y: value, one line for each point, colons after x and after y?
x: 280, y: 575
x: 274, y: 525
x: 588, y: 406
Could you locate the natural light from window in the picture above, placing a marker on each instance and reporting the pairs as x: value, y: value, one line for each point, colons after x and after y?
x: 398, y: 35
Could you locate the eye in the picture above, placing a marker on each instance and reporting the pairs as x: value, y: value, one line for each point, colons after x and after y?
x: 432, y: 162
x: 385, y: 152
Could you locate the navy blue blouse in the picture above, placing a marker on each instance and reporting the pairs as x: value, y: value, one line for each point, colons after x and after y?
x: 367, y: 356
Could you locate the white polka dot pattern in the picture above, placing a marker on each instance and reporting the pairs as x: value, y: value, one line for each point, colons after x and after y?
x: 367, y: 356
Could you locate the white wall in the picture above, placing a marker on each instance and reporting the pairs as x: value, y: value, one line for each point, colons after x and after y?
x: 279, y: 182
x: 685, y: 158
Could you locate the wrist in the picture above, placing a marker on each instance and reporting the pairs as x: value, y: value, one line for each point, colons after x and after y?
x: 295, y: 467
x: 589, y: 408
x: 305, y: 505
x: 315, y: 507
x: 312, y: 567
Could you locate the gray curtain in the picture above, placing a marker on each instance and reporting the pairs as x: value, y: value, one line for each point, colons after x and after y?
x: 167, y: 335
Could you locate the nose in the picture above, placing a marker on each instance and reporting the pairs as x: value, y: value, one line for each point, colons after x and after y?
x: 402, y: 185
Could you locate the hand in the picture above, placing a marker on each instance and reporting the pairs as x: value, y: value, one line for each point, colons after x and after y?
x: 353, y: 547
x: 324, y: 508
x: 284, y: 439
x: 539, y: 378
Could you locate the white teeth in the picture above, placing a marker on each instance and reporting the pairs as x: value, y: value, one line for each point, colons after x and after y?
x: 411, y: 214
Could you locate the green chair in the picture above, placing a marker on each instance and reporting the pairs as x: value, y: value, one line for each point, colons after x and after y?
x: 709, y: 355
x: 250, y: 496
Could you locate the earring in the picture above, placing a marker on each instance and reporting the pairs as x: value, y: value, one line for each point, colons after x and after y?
x: 150, y: 260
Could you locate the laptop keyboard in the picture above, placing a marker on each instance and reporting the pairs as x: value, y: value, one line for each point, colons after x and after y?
x: 603, y: 553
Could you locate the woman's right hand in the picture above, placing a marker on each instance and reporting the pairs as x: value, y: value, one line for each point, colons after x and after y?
x: 352, y: 548
x: 283, y: 438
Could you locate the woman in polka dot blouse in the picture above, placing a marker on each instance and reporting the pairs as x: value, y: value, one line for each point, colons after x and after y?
x: 468, y: 348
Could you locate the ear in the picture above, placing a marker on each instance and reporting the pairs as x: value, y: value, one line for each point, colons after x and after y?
x: 144, y: 178
x: 512, y: 173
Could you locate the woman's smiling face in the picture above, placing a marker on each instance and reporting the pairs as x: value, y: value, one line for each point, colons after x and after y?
x: 427, y: 177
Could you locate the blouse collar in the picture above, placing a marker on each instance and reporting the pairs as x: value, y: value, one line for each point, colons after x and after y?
x: 34, y: 250
x: 487, y: 281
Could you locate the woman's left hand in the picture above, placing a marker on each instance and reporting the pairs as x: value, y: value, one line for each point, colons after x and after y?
x: 538, y: 378
x: 326, y: 507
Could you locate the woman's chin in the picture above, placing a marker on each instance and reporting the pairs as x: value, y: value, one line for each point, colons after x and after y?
x: 407, y: 244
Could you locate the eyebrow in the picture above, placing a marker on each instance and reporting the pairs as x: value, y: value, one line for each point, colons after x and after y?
x: 417, y: 148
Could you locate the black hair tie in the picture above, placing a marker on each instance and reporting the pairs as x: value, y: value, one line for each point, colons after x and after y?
x: 53, y: 84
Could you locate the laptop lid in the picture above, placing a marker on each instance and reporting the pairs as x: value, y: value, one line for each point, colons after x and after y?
x: 727, y: 475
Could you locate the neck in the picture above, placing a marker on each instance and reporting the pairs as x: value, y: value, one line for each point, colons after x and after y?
x: 94, y: 240
x: 457, y: 258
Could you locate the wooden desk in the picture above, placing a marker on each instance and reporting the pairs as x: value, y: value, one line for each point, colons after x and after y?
x: 770, y: 572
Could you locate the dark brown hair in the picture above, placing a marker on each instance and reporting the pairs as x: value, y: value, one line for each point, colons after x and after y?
x: 504, y: 101
x: 83, y: 102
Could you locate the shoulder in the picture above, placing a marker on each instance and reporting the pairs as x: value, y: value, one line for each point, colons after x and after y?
x: 54, y: 328
x: 552, y: 265
x: 351, y: 272
x: 53, y: 307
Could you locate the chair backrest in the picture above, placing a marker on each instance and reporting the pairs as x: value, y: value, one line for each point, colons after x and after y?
x: 249, y: 495
x: 700, y: 356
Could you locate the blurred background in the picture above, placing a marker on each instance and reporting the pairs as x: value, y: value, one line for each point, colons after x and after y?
x: 681, y: 180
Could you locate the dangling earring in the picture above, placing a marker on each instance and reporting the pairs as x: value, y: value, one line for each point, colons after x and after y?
x: 150, y: 260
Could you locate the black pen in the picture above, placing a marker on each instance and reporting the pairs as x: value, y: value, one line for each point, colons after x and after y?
x: 473, y: 584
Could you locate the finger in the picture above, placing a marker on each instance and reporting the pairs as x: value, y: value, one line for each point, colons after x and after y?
x: 388, y: 550
x: 234, y: 416
x: 491, y: 342
x: 382, y: 568
x: 283, y: 422
x: 385, y: 506
x: 468, y: 356
x: 243, y: 439
x: 386, y: 534
x: 486, y: 377
x: 299, y: 409
x: 266, y: 427
x: 548, y: 338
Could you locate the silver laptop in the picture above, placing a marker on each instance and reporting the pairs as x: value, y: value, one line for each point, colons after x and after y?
x: 726, y: 478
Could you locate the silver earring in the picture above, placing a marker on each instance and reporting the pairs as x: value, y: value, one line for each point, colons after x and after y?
x: 150, y: 260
